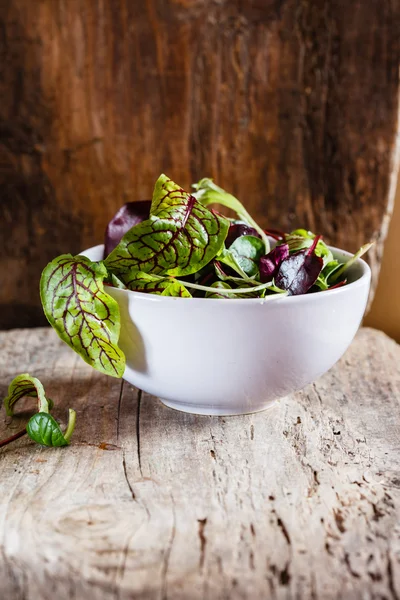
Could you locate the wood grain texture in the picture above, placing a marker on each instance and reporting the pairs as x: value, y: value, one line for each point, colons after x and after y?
x: 301, y: 501
x: 292, y: 105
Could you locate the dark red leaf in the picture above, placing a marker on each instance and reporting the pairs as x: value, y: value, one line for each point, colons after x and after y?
x: 299, y: 271
x: 338, y: 285
x: 269, y: 264
x: 275, y: 233
x: 128, y: 216
x: 236, y: 230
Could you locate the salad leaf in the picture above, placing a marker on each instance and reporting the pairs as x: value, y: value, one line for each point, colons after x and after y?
x: 210, y: 193
x: 129, y: 215
x: 44, y: 429
x: 238, y: 229
x: 25, y: 385
x: 223, y: 276
x: 247, y: 251
x: 180, y: 237
x: 83, y: 315
x: 300, y: 239
x: 339, y: 272
x: 154, y: 284
x: 270, y: 263
x: 299, y: 271
x: 220, y: 285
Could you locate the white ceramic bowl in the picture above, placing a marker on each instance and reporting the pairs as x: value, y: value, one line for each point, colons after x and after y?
x: 234, y: 356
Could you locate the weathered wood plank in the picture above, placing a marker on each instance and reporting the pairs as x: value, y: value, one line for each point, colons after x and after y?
x: 291, y: 105
x: 302, y: 501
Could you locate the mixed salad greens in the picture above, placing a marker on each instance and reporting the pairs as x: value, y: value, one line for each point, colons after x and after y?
x: 176, y: 245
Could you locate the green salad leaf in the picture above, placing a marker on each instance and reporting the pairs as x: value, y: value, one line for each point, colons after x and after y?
x: 83, y: 315
x: 180, y: 237
x: 43, y: 429
x: 210, y: 193
x: 155, y: 284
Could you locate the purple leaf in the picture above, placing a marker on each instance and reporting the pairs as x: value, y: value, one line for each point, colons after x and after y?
x: 128, y: 216
x: 270, y: 263
x: 299, y: 271
x: 237, y: 230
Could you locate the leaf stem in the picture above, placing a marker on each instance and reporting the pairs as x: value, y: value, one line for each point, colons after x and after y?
x: 228, y: 292
x: 12, y: 438
x: 71, y: 425
x: 337, y: 274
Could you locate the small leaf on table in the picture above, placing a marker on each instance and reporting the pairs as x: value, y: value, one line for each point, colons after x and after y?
x: 25, y: 385
x: 43, y: 429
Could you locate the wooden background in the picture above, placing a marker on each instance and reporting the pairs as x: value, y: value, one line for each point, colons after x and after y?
x: 290, y: 104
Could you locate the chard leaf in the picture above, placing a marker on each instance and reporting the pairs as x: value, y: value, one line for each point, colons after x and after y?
x: 270, y: 263
x: 337, y: 274
x: 84, y: 316
x: 44, y: 429
x: 210, y: 193
x: 299, y: 271
x: 180, y: 237
x: 25, y: 385
x: 154, y: 284
x: 129, y: 215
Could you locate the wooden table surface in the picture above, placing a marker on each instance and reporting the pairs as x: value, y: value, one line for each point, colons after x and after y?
x: 301, y: 501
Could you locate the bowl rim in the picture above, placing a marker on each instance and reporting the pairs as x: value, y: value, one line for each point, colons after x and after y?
x: 360, y: 282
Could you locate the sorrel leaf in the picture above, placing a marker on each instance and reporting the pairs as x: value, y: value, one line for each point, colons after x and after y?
x: 210, y: 193
x: 84, y: 316
x: 43, y: 429
x: 180, y: 237
x: 129, y: 215
x: 270, y: 263
x: 153, y: 284
x: 299, y: 271
x: 25, y: 385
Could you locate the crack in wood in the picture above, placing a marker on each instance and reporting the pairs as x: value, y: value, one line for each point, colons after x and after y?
x: 203, y: 540
x: 167, y: 553
x: 139, y: 402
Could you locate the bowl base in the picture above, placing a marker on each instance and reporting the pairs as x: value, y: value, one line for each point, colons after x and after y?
x: 217, y: 411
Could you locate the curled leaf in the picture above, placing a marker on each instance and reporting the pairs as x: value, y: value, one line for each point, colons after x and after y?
x: 129, y: 215
x: 43, y: 429
x: 84, y: 316
x: 26, y: 385
x: 180, y: 237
